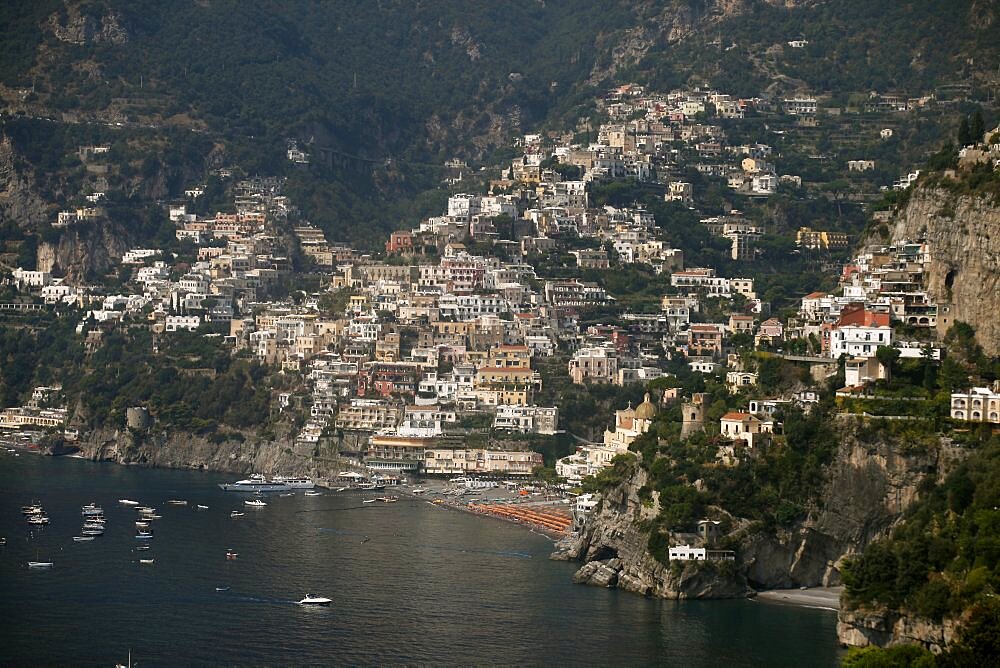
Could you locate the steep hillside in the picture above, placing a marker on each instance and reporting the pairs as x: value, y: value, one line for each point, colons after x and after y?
x: 963, y: 231
x: 872, y: 477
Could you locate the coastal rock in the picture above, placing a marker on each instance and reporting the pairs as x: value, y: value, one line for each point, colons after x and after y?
x: 240, y: 454
x: 863, y: 627
x: 870, y: 482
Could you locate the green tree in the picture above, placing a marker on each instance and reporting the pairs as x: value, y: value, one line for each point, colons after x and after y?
x: 977, y: 127
x: 887, y: 356
x: 964, y: 132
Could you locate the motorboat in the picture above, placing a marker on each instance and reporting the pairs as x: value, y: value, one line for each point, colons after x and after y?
x: 231, y: 556
x: 255, y: 503
x: 81, y: 539
x: 315, y: 600
x: 145, y: 509
x: 3, y: 541
x: 38, y: 519
x: 260, y: 483
x: 142, y: 547
x: 341, y: 489
x: 200, y: 507
x: 144, y: 536
x: 146, y: 561
x: 312, y: 493
x: 287, y: 494
x: 388, y: 499
x: 236, y: 513
x: 92, y: 532
x: 177, y: 502
x: 142, y: 525
x: 222, y: 588
x: 418, y: 490
x: 39, y: 565
x: 91, y: 510
x: 368, y: 501
x: 128, y: 502
x: 33, y: 509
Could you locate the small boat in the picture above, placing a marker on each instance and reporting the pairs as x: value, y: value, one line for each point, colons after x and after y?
x: 177, y: 502
x: 312, y: 493
x: 3, y: 541
x: 92, y: 532
x: 32, y: 509
x: 315, y: 600
x: 222, y: 588
x: 387, y: 499
x: 255, y: 503
x: 288, y: 494
x: 368, y: 501
x: 91, y: 509
x: 128, y: 502
x: 38, y: 565
x: 146, y: 509
x: 144, y: 536
x: 142, y: 547
x: 341, y: 489
x: 81, y: 539
x: 146, y: 561
x: 200, y: 507
x: 230, y: 555
x: 38, y: 519
x: 235, y: 514
x: 153, y: 517
x: 141, y: 524
x: 93, y: 527
x: 418, y: 490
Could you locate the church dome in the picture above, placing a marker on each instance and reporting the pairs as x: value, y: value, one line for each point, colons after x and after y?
x: 646, y: 410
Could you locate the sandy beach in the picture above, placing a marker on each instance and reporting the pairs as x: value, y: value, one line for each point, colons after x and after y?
x: 825, y: 598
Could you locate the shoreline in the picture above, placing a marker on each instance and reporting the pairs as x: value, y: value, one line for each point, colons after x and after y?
x: 820, y: 598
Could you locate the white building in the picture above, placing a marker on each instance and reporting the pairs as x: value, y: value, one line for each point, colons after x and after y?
x: 979, y: 404
x: 858, y: 340
x: 177, y: 322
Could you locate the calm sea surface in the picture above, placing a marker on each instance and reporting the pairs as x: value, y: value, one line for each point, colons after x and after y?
x: 411, y: 583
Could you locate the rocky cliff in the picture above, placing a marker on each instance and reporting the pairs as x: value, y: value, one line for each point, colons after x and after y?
x: 243, y: 453
x: 964, y: 237
x: 870, y: 482
x: 19, y: 198
x: 860, y: 628
x: 95, y: 247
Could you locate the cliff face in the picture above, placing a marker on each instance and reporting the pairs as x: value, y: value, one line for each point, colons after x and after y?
x: 860, y: 628
x: 613, y: 549
x: 869, y: 484
x: 177, y: 449
x: 964, y: 238
x: 91, y: 247
x: 19, y: 199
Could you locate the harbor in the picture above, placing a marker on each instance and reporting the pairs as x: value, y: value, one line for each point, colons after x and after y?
x: 408, y: 582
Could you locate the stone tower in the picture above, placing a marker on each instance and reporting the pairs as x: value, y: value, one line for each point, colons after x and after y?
x: 693, y: 415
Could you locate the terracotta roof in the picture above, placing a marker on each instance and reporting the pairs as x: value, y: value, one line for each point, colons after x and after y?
x: 736, y: 415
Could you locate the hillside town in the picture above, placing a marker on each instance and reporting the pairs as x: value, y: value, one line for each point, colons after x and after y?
x: 427, y: 358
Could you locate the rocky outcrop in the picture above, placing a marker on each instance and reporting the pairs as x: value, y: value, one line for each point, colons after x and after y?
x: 19, y: 199
x: 93, y: 247
x: 869, y: 484
x: 860, y: 628
x: 244, y: 452
x: 613, y: 547
x: 963, y: 233
x: 78, y: 27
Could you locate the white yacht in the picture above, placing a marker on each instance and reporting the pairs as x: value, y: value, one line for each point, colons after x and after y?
x: 315, y: 600
x: 128, y: 502
x: 255, y: 503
